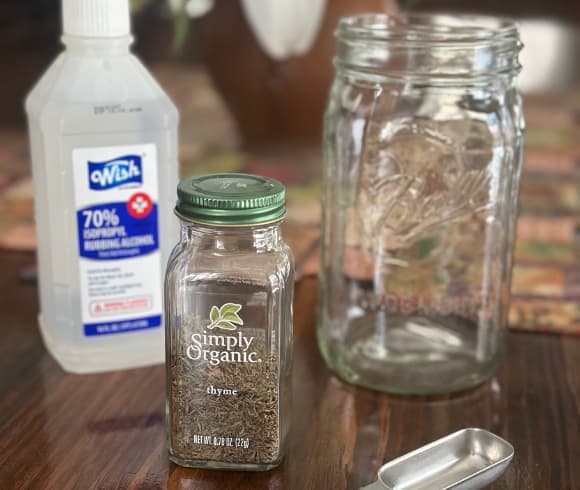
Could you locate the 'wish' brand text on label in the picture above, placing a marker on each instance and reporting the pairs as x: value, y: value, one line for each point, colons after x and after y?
x: 113, y: 173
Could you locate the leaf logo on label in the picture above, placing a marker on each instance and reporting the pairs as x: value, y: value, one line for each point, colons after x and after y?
x: 226, y: 317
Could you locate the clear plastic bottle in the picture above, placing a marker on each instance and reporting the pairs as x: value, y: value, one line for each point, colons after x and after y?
x: 228, y: 296
x: 103, y: 138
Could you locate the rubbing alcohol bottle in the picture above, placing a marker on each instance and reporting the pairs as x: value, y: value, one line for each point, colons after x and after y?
x: 228, y: 299
x: 103, y: 140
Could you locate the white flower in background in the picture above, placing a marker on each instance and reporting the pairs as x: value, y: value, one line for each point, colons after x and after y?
x: 284, y: 28
x: 193, y: 8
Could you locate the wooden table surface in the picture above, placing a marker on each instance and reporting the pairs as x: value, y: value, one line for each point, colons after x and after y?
x: 62, y: 431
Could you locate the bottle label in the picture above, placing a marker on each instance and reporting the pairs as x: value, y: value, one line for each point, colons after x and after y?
x: 224, y: 366
x: 221, y: 340
x: 116, y: 193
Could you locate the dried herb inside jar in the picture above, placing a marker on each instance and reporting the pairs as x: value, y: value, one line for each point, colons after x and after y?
x: 240, y: 427
x: 225, y: 390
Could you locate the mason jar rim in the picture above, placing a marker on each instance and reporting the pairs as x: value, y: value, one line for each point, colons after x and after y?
x: 439, y: 50
x: 448, y: 29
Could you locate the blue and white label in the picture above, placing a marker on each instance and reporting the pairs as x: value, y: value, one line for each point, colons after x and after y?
x: 105, y: 328
x: 110, y: 232
x: 122, y: 170
x: 116, y: 193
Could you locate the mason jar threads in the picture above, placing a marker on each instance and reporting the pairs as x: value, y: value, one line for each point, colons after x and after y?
x: 228, y: 310
x: 423, y: 150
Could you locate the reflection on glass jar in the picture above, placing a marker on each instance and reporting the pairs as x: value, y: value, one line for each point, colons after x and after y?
x: 423, y: 147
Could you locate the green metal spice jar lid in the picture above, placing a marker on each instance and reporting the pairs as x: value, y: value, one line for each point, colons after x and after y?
x: 230, y: 199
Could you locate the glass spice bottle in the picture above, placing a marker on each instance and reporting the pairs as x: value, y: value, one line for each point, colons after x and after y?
x: 228, y: 306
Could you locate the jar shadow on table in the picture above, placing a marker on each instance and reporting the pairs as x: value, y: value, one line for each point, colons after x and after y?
x: 181, y: 478
x: 384, y: 427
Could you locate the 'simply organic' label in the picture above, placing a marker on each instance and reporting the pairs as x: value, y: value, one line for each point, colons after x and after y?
x: 215, y: 348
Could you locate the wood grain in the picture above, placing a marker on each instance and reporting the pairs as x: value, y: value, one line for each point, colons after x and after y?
x: 61, y: 431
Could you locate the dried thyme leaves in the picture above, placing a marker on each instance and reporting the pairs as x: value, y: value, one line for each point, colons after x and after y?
x: 241, y: 428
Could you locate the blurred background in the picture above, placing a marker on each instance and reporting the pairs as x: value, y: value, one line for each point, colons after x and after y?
x: 250, y: 78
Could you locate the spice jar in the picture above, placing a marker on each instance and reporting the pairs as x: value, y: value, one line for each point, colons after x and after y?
x: 423, y: 147
x: 228, y: 306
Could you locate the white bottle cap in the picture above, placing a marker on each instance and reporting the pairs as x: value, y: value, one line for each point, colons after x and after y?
x: 96, y: 18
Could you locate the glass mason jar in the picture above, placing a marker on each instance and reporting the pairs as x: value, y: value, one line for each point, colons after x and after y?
x: 423, y: 150
x: 228, y: 313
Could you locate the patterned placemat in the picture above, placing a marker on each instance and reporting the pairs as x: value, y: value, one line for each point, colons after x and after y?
x: 546, y: 279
